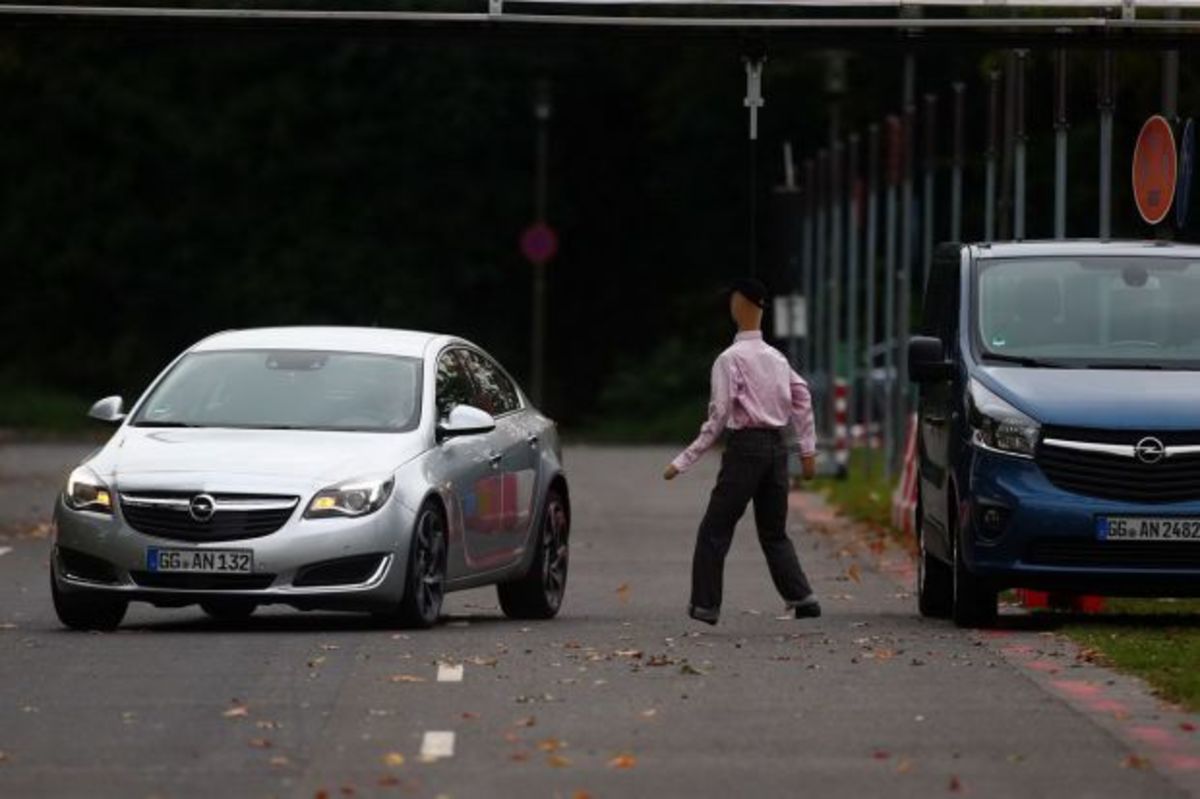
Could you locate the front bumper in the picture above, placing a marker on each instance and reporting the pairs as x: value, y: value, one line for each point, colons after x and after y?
x: 116, y: 557
x: 1047, y: 537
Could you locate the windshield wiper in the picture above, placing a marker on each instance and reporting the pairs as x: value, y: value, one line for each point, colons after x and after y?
x: 1126, y: 365
x: 1023, y: 360
x: 165, y: 424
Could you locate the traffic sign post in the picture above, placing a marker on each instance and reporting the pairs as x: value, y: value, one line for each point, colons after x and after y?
x: 1154, y: 169
x: 1187, y: 165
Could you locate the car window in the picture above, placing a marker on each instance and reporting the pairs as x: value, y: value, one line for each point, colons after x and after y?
x: 453, y: 383
x: 495, y: 393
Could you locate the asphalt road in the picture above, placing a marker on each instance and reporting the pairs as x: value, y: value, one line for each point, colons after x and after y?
x: 621, y: 695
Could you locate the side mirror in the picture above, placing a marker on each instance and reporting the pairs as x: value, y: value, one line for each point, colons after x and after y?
x: 108, y: 410
x: 927, y: 360
x: 465, y: 420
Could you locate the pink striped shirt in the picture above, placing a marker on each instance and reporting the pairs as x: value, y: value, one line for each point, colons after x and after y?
x: 753, y: 386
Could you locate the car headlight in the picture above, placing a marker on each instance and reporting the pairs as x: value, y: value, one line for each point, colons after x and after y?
x: 86, y: 491
x: 996, y: 425
x: 356, y: 498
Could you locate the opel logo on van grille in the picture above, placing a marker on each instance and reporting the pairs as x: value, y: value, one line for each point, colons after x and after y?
x: 1149, y: 450
x: 202, y: 507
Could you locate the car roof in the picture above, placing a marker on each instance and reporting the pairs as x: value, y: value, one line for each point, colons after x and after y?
x: 379, y: 340
x: 1083, y: 247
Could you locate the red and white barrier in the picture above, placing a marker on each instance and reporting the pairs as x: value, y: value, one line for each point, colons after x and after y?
x: 841, y: 430
x: 904, y: 498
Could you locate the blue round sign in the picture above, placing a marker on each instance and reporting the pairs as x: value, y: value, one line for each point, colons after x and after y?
x: 1187, y: 165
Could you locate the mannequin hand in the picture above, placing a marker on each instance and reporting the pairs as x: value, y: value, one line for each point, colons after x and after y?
x: 670, y: 473
x: 809, y: 465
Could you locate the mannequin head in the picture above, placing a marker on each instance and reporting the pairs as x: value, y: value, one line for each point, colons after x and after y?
x: 747, y: 297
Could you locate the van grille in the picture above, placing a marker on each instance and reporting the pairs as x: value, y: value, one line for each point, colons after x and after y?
x: 1117, y: 477
x: 1115, y: 554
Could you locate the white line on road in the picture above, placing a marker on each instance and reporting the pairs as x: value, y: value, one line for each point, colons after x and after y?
x: 437, y: 745
x: 6, y: 550
x: 450, y: 672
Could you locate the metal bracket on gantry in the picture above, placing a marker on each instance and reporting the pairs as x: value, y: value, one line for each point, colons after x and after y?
x: 754, y: 99
x: 495, y: 8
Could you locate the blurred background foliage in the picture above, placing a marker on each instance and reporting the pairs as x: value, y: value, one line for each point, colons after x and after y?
x: 159, y: 187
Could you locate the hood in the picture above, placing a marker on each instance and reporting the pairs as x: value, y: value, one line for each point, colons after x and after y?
x: 222, y: 459
x: 1116, y: 399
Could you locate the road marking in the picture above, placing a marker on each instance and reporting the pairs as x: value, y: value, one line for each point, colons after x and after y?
x: 450, y: 672
x: 437, y: 745
x: 5, y: 550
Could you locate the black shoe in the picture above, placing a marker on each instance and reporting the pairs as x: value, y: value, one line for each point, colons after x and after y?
x: 807, y: 608
x: 704, y: 614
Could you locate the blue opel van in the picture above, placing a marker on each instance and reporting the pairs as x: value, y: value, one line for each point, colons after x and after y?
x: 1059, y: 423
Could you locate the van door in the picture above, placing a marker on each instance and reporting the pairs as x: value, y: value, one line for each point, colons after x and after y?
x: 937, y: 406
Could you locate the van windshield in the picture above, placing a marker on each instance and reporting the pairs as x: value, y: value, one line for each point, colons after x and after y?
x: 1114, y: 312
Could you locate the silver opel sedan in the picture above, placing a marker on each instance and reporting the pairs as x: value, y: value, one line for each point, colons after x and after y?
x: 319, y: 467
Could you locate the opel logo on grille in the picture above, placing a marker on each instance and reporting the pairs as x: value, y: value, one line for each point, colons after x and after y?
x: 1149, y: 450
x: 202, y: 507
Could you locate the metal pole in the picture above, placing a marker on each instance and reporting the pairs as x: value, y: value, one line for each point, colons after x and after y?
x: 1170, y: 109
x: 852, y: 234
x: 1004, y: 207
x: 1107, y: 104
x: 956, y: 178
x: 989, y: 191
x: 819, y: 284
x: 907, y: 232
x: 889, y: 300
x: 1019, y: 158
x: 1060, y: 144
x: 789, y: 194
x: 541, y: 110
x: 806, y: 256
x: 835, y: 276
x: 870, y: 267
x: 927, y: 193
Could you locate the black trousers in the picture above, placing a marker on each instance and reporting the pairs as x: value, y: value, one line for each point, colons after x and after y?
x: 754, y: 467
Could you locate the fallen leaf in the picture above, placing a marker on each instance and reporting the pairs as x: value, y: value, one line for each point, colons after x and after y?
x: 348, y: 790
x: 688, y: 668
x: 557, y: 761
x: 260, y: 743
x: 853, y: 573
x: 267, y: 725
x: 321, y: 794
x: 481, y: 661
x: 955, y: 785
x: 405, y: 678
x: 1135, y: 761
x: 388, y: 780
x: 660, y: 660
x: 550, y: 745
x: 393, y: 759
x: 469, y: 716
x: 904, y: 766
x: 623, y: 761
x: 628, y: 653
x: 330, y: 647
x: 581, y: 795
x: 879, y: 754
x: 623, y: 592
x: 3, y: 757
x: 1187, y: 726
x: 649, y: 713
x: 519, y: 757
x: 279, y: 760
x: 236, y: 712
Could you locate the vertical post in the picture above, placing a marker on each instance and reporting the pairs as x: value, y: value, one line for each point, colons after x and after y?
x: 541, y: 111
x: 1004, y: 206
x: 792, y: 220
x: 1060, y: 144
x: 806, y: 261
x: 834, y: 292
x: 1170, y: 109
x: 927, y: 193
x: 753, y: 101
x: 852, y: 234
x: 907, y: 232
x: 989, y: 196
x: 1019, y: 159
x: 819, y: 305
x: 870, y: 266
x: 956, y: 178
x: 889, y: 290
x: 1107, y: 103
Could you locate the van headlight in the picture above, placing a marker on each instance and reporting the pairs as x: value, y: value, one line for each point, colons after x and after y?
x: 86, y: 491
x: 357, y: 498
x: 998, y: 426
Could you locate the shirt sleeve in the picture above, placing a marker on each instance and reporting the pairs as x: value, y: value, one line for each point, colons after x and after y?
x: 802, y: 416
x: 718, y: 417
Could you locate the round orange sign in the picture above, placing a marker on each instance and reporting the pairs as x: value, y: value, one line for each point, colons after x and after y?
x: 1154, y: 169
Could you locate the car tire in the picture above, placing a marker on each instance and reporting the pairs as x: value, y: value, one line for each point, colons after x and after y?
x: 87, y: 610
x: 425, y: 580
x: 539, y: 594
x: 974, y: 600
x: 229, y: 610
x: 935, y: 580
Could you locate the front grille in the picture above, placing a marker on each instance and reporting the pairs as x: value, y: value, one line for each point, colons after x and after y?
x: 1116, y: 477
x: 343, y: 571
x: 1115, y: 554
x: 237, y: 516
x: 203, y: 582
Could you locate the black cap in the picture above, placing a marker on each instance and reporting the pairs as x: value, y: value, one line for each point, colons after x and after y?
x: 752, y: 289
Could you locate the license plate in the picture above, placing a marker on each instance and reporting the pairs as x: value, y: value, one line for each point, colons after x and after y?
x: 205, y: 561
x: 1140, y: 528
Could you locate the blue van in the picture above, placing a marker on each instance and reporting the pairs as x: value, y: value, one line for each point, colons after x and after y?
x: 1059, y: 423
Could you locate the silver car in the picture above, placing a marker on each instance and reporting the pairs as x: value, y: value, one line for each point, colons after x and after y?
x: 317, y: 467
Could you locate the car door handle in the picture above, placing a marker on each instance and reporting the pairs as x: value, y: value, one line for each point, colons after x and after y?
x: 494, y: 458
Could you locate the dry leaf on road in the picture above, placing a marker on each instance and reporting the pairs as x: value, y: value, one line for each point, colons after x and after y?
x: 260, y: 743
x: 236, y: 712
x: 397, y: 678
x: 623, y: 592
x: 854, y: 573
x: 623, y: 761
x: 557, y: 761
x: 392, y: 759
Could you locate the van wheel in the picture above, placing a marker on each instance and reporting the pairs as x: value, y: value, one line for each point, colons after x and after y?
x: 935, y: 581
x: 974, y: 600
x: 539, y: 594
x: 425, y: 581
x: 87, y: 610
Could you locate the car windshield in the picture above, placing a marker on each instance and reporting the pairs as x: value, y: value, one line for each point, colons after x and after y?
x: 287, y: 389
x: 1116, y: 312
